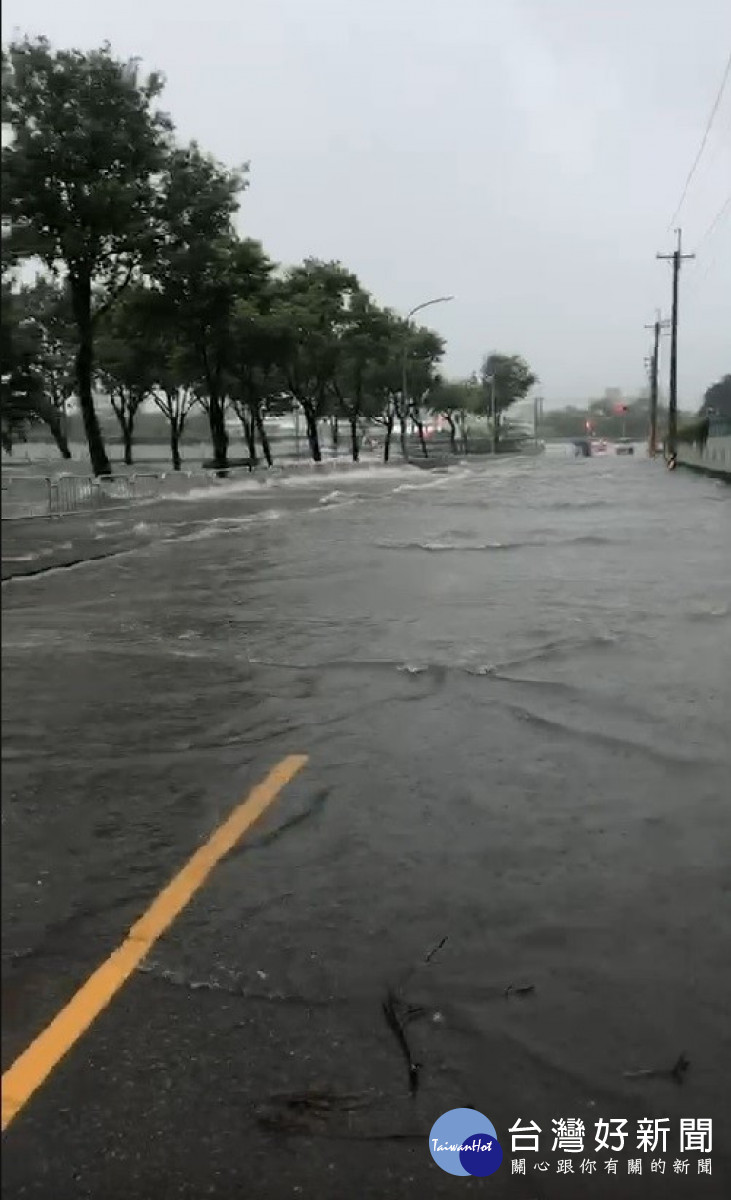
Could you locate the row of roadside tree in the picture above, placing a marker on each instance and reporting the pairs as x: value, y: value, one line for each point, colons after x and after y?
x: 147, y: 292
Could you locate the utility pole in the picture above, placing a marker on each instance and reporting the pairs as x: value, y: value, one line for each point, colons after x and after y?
x: 676, y: 257
x: 654, y: 364
x: 493, y: 413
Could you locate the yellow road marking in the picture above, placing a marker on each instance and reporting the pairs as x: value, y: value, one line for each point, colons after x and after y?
x: 35, y: 1064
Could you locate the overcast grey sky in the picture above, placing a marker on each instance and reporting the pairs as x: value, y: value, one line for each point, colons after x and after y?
x: 525, y: 155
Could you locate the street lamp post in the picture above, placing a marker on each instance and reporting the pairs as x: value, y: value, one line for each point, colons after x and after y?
x: 537, y: 417
x: 491, y: 380
x: 409, y: 315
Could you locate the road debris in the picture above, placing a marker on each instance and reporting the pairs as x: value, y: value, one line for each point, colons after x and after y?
x: 526, y: 989
x: 398, y: 1014
x: 677, y: 1072
x: 436, y: 948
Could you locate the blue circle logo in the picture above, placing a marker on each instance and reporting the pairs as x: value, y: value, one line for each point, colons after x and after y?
x: 458, y: 1150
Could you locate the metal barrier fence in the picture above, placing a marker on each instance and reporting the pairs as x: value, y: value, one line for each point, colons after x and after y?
x: 26, y: 496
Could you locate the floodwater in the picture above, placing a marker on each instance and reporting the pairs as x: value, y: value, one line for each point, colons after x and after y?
x: 513, y: 682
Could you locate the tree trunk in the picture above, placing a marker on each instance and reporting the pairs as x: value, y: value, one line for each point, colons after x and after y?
x: 404, y: 447
x: 354, y: 440
x: 452, y: 433
x: 463, y: 426
x: 248, y: 427
x: 219, y: 433
x: 175, y: 432
x: 127, y: 424
x: 50, y: 414
x: 422, y: 439
x: 313, y: 435
x: 81, y: 296
x: 387, y: 440
x: 263, y: 435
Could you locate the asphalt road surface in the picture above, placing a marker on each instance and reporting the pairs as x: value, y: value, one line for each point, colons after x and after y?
x: 488, y: 866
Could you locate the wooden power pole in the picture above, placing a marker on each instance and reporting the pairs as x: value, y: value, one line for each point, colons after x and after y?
x: 676, y: 258
x: 657, y: 326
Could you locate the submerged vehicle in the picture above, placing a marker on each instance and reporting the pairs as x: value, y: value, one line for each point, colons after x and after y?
x: 625, y: 446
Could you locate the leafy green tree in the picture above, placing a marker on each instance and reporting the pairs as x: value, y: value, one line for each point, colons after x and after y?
x: 364, y: 347
x: 512, y: 378
x: 45, y: 308
x: 384, y: 379
x: 259, y: 341
x: 454, y: 399
x: 175, y: 395
x: 22, y: 388
x: 202, y: 270
x: 24, y: 398
x: 422, y: 351
x: 79, y: 184
x: 717, y: 400
x: 128, y: 358
x: 313, y: 308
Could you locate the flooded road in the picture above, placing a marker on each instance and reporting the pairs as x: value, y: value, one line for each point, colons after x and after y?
x: 501, y: 882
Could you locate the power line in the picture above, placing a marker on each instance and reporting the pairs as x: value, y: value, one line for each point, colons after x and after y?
x: 698, y: 277
x: 715, y: 222
x: 699, y: 155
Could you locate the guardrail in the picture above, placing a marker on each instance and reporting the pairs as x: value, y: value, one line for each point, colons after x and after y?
x: 714, y: 458
x: 26, y: 496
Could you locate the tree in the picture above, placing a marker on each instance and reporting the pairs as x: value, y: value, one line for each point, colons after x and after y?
x: 24, y: 399
x: 384, y: 379
x: 79, y: 181
x: 202, y: 269
x: 313, y: 304
x: 258, y: 348
x: 21, y: 384
x: 717, y: 400
x: 128, y: 359
x: 45, y: 308
x: 453, y: 399
x: 364, y: 346
x: 423, y: 350
x: 513, y: 379
x: 174, y: 394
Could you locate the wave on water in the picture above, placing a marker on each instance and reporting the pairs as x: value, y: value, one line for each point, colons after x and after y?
x: 432, y: 481
x: 715, y: 613
x: 553, y: 648
x: 436, y: 547
x: 573, y: 505
x: 296, y: 478
x: 218, y: 526
x: 220, y: 491
x: 446, y: 547
x: 341, y: 478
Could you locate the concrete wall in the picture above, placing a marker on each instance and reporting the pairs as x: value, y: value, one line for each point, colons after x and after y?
x: 714, y: 458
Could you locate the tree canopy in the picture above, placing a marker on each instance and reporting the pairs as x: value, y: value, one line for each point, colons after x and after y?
x: 717, y: 400
x: 152, y: 294
x: 79, y: 181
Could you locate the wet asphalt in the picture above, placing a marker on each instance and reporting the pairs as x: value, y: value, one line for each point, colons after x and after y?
x: 513, y: 684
